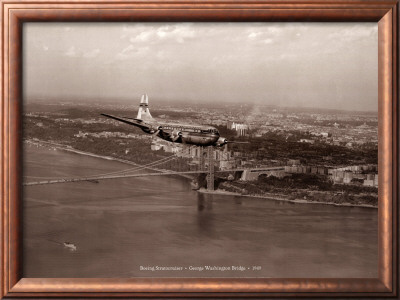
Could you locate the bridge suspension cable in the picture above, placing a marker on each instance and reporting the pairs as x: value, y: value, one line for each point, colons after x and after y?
x: 137, y: 168
x: 140, y: 167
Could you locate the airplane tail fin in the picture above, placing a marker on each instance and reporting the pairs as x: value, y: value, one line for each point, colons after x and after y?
x: 144, y: 112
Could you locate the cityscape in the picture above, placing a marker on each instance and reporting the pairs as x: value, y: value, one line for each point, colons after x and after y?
x: 327, y: 156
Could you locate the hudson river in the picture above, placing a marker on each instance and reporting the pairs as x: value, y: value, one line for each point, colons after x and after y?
x: 159, y: 227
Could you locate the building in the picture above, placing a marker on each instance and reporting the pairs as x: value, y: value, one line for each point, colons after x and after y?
x: 307, y: 141
x: 241, y: 129
x: 159, y: 144
x: 293, y: 162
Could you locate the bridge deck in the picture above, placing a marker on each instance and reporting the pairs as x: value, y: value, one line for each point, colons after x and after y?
x: 162, y: 173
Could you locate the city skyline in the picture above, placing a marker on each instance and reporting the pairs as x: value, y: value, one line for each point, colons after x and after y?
x: 328, y: 66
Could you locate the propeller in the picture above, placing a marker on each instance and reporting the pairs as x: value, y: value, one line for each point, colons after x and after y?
x: 159, y: 128
x: 178, y: 135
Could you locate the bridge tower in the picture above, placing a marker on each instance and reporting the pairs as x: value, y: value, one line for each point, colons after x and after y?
x: 211, y: 173
x: 202, y: 158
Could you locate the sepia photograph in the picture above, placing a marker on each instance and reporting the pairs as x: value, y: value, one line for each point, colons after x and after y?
x: 200, y: 150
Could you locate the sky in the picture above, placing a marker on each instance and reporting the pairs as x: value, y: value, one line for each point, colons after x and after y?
x: 322, y: 65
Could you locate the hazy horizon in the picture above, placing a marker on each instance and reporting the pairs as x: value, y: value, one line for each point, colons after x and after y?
x: 306, y: 65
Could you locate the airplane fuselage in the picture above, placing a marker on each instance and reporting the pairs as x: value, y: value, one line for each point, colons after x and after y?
x: 186, y: 134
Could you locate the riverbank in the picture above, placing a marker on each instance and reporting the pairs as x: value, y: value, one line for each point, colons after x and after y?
x: 42, y: 143
x: 277, y: 197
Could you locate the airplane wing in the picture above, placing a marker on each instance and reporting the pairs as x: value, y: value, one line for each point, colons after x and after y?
x: 130, y: 121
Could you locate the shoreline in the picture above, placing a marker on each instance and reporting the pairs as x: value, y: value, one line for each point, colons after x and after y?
x: 66, y: 148
x: 70, y: 149
x: 278, y: 198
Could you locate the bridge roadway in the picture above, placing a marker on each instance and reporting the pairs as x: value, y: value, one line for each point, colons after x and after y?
x: 162, y: 173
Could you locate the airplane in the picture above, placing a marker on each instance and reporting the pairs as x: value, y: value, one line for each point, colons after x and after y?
x: 177, y: 133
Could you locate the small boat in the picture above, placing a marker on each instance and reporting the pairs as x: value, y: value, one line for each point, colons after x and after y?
x: 70, y: 246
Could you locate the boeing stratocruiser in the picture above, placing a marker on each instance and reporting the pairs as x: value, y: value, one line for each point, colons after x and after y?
x: 176, y: 133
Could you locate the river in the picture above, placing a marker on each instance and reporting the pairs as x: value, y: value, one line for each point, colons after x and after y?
x: 129, y: 227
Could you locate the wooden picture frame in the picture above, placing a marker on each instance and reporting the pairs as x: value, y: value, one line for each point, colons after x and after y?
x: 15, y: 13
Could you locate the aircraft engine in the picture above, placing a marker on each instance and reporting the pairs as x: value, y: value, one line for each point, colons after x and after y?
x: 222, y: 141
x: 155, y: 131
x: 175, y: 135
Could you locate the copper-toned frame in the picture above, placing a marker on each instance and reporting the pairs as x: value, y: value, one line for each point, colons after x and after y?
x: 14, y: 13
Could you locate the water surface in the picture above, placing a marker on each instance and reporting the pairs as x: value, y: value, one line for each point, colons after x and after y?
x: 119, y: 226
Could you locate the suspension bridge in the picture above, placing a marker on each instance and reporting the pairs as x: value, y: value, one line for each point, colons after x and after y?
x: 207, y: 158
